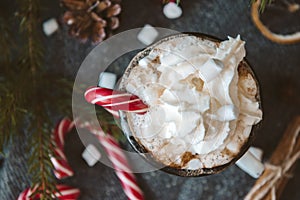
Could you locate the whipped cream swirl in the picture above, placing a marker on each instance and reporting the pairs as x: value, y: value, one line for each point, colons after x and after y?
x: 202, y: 107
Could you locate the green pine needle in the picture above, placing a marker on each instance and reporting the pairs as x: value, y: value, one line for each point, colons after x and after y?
x: 29, y: 93
x: 40, y: 167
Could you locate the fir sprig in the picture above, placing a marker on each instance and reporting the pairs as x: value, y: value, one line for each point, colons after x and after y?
x: 30, y: 94
x: 10, y: 98
x: 40, y: 166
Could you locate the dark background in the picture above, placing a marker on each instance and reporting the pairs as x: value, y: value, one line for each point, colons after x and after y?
x: 277, y: 68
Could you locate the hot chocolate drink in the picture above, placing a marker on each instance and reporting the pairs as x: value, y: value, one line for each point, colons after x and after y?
x: 203, y: 101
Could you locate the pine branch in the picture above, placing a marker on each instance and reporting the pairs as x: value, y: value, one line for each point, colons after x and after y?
x: 9, y: 115
x: 10, y: 99
x: 40, y: 167
x: 6, y: 43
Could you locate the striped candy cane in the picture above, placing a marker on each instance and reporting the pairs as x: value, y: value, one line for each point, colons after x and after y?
x: 59, y: 161
x: 120, y: 164
x: 121, y: 167
x: 115, y: 100
x: 62, y: 168
x: 65, y: 193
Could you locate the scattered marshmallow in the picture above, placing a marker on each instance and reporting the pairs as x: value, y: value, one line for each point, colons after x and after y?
x: 147, y: 35
x: 50, y: 26
x: 91, y: 155
x: 257, y: 152
x: 251, y: 165
x: 210, y: 69
x: 172, y: 10
x: 107, y: 80
x: 227, y: 113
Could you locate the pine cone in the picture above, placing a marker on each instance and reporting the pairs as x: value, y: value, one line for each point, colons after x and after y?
x: 91, y: 19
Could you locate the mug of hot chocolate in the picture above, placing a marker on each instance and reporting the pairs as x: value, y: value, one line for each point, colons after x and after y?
x: 188, y: 104
x: 203, y: 103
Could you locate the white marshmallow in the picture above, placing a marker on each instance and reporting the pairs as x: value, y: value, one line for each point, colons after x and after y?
x: 144, y: 62
x: 171, y: 59
x: 227, y: 113
x: 172, y: 10
x: 211, y: 69
x: 91, y: 155
x: 195, y: 164
x: 107, y: 80
x: 50, y: 26
x: 257, y: 152
x: 251, y: 165
x: 147, y: 35
x: 184, y: 69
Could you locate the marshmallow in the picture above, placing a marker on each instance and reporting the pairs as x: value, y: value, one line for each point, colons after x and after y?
x: 50, y: 26
x: 227, y: 113
x: 168, y: 77
x: 211, y: 69
x: 171, y: 59
x: 256, y: 152
x: 184, y: 69
x: 107, y: 80
x: 144, y: 62
x: 147, y: 35
x: 172, y: 10
x: 195, y: 164
x: 91, y: 155
x: 251, y: 165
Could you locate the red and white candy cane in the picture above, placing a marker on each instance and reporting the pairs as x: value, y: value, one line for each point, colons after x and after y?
x: 121, y: 167
x: 59, y: 161
x: 62, y: 168
x: 65, y: 193
x: 115, y: 100
x: 120, y: 164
